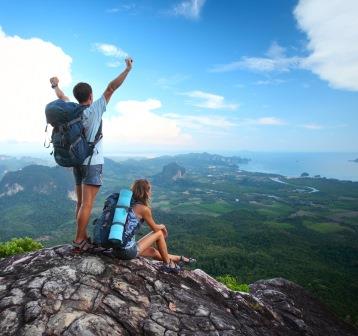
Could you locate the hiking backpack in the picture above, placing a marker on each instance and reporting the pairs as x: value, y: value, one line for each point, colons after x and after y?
x: 70, y: 146
x: 102, y: 224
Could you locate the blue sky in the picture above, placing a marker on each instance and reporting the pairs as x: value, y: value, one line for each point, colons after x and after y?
x: 275, y: 75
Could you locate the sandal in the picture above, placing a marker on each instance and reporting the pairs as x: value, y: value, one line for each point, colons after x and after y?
x: 172, y: 267
x: 89, y: 240
x: 84, y: 246
x: 108, y: 252
x: 189, y: 261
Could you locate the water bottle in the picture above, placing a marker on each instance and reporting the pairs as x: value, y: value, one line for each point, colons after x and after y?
x: 120, y: 216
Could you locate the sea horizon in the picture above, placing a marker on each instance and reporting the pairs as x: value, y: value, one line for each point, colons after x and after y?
x: 337, y: 165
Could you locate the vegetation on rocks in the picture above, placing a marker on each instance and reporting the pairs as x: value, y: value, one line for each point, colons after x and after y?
x: 18, y: 245
x: 232, y: 283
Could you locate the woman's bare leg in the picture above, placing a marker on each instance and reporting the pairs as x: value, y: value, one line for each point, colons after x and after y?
x: 146, y: 249
x: 152, y: 252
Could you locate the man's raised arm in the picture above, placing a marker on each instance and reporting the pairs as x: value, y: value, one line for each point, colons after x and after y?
x: 117, y: 82
x: 59, y: 93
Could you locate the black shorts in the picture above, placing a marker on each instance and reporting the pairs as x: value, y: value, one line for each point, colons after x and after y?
x: 86, y: 174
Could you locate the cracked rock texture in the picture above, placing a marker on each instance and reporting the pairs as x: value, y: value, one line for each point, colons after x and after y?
x: 53, y: 292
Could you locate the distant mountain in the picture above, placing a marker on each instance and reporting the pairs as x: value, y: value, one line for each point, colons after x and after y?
x: 197, y: 162
x: 201, y: 160
x: 35, y: 201
x: 11, y: 163
x: 36, y: 179
x: 170, y: 173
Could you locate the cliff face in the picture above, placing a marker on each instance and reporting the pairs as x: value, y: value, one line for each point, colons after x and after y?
x: 52, y: 292
x: 170, y: 173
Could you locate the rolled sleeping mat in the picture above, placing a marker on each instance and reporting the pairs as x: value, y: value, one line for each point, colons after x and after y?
x: 125, y: 196
x: 120, y: 216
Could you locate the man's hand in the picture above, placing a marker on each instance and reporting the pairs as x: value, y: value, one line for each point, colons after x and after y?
x: 54, y: 81
x: 59, y: 93
x: 129, y: 62
x: 117, y: 82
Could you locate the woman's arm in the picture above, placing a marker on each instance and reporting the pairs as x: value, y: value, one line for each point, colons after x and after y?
x: 147, y: 216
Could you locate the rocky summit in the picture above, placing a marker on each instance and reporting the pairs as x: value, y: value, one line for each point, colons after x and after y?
x: 53, y: 292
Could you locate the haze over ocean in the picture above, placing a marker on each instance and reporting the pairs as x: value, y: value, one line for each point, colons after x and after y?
x: 331, y: 165
x: 291, y: 164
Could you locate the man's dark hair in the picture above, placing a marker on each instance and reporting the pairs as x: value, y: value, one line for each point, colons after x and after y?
x: 82, y: 92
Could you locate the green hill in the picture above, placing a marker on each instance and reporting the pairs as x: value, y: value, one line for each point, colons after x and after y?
x: 249, y: 225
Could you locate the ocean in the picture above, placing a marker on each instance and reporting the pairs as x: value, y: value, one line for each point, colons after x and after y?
x: 330, y: 165
x: 291, y: 164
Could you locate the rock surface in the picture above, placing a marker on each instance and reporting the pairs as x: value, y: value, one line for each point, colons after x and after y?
x: 53, y: 292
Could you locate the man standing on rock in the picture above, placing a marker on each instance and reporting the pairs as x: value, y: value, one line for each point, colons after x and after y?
x: 88, y: 176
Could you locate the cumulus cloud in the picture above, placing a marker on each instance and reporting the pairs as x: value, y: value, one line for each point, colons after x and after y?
x: 210, y: 100
x: 25, y: 67
x: 190, y: 9
x: 275, y: 60
x: 332, y: 31
x: 137, y: 122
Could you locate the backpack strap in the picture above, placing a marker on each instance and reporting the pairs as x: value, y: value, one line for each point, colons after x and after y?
x: 97, y: 138
x: 73, y: 121
x: 49, y: 143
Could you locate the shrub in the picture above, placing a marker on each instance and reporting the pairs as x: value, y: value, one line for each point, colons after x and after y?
x: 232, y: 283
x: 18, y: 245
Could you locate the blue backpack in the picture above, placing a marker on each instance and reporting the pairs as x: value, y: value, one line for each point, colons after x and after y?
x: 102, y: 224
x: 70, y: 146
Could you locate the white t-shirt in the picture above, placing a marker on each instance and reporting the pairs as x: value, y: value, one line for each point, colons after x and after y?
x: 92, y: 117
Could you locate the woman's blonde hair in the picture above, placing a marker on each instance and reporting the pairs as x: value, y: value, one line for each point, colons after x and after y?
x: 140, y: 189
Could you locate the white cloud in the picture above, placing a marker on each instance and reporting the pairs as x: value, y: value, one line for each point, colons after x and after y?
x: 270, y: 121
x: 112, y: 10
x: 312, y: 126
x: 264, y: 121
x: 201, y: 122
x: 332, y: 31
x: 122, y: 8
x: 110, y: 50
x: 274, y: 81
x: 190, y: 9
x: 25, y: 67
x: 171, y: 81
x: 210, y: 100
x: 137, y: 123
x: 114, y: 64
x: 275, y: 60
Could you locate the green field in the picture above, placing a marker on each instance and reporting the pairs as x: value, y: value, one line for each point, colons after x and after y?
x: 325, y: 227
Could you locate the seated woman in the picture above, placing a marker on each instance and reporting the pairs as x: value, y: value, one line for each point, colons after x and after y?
x: 144, y: 247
